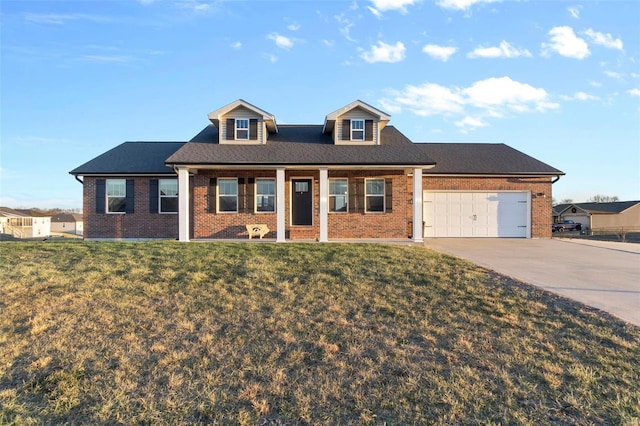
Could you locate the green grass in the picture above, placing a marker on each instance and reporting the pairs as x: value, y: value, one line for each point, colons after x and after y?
x: 280, y: 334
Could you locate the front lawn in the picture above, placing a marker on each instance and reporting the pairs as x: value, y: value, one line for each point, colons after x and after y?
x: 281, y: 334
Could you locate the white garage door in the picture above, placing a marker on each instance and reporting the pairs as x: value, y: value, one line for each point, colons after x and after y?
x: 477, y: 214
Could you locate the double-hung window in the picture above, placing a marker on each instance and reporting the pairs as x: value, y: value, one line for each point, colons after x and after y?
x: 357, y: 130
x: 374, y: 195
x: 116, y: 195
x: 228, y: 195
x: 168, y: 191
x: 338, y: 195
x: 265, y: 195
x: 242, y: 128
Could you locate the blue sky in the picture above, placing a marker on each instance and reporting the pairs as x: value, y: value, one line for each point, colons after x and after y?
x: 558, y: 80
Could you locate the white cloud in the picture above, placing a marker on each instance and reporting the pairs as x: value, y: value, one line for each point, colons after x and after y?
x: 384, y: 52
x: 281, y: 41
x: 613, y: 74
x: 345, y: 30
x: 504, y: 50
x: 269, y: 57
x: 595, y: 84
x: 293, y: 27
x: 460, y: 4
x: 492, y: 98
x: 236, y: 45
x: 575, y: 11
x: 375, y: 12
x: 328, y: 43
x: 566, y: 43
x: 442, y: 53
x: 605, y: 40
x: 634, y: 92
x: 400, y: 5
x: 580, y: 96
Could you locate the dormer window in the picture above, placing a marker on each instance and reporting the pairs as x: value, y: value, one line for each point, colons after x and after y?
x: 242, y: 128
x: 357, y: 130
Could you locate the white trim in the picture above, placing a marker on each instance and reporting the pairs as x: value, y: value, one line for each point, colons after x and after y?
x: 236, y: 128
x: 324, y: 205
x: 218, y: 195
x: 255, y: 196
x: 418, y: 218
x: 166, y: 196
x: 384, y: 195
x: 280, y: 205
x: 183, y: 204
x: 351, y: 138
x: 106, y: 196
x: 335, y: 195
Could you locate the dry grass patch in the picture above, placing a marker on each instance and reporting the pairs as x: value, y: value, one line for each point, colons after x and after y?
x: 170, y: 333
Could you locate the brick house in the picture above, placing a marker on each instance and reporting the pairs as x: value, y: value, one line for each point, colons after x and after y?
x: 352, y: 177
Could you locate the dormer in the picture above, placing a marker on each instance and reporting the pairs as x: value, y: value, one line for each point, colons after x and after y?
x: 243, y: 123
x: 356, y: 124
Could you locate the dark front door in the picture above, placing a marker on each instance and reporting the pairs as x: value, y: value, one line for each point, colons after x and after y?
x: 302, y: 202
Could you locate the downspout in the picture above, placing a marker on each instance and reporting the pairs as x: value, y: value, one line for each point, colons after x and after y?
x: 76, y: 176
x: 555, y: 180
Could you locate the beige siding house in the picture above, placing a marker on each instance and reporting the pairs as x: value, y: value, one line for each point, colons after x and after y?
x: 619, y: 215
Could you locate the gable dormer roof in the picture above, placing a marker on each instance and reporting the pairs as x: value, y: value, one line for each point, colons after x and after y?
x: 269, y: 119
x: 330, y: 119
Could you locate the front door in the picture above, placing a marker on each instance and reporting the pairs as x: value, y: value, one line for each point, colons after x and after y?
x: 302, y: 202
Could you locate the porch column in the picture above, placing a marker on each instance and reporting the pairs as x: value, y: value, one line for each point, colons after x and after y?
x: 280, y: 206
x: 183, y: 204
x: 417, y: 206
x: 324, y: 205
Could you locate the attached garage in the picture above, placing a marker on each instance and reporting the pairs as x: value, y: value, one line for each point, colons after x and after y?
x: 477, y: 214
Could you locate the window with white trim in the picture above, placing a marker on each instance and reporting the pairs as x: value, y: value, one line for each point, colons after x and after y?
x: 338, y: 195
x: 116, y: 195
x: 168, y: 195
x: 265, y: 195
x: 228, y: 195
x: 242, y: 128
x: 374, y: 195
x: 357, y: 130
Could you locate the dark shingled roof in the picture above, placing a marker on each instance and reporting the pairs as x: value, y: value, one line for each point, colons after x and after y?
x: 483, y: 158
x: 301, y: 145
x: 131, y: 158
x: 603, y: 208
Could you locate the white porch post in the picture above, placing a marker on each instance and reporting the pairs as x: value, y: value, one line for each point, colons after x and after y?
x: 324, y: 205
x: 417, y: 206
x: 183, y: 204
x: 280, y: 206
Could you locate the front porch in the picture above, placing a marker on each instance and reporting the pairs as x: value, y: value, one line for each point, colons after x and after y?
x: 305, y: 205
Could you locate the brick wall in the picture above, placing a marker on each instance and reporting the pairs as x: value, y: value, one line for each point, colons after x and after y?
x: 541, y: 217
x: 139, y: 224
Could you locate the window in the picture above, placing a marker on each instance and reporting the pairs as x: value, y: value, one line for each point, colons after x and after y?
x: 228, y: 195
x: 168, y: 189
x: 357, y: 130
x: 338, y: 195
x: 265, y: 195
x: 116, y: 195
x: 374, y: 195
x: 242, y: 128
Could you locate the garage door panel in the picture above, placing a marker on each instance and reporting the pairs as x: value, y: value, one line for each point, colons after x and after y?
x: 476, y: 214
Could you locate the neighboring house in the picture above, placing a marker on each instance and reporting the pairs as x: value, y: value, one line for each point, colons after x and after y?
x: 24, y: 223
x: 70, y: 223
x: 352, y: 177
x: 618, y: 215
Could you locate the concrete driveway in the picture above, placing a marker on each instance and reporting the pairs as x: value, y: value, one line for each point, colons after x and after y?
x: 599, y: 274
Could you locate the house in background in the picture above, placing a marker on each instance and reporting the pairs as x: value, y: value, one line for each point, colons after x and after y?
x: 24, y: 223
x: 618, y: 215
x: 70, y: 223
x: 352, y: 177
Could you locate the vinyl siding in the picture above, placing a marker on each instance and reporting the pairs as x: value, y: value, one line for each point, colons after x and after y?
x: 356, y: 113
x: 242, y: 112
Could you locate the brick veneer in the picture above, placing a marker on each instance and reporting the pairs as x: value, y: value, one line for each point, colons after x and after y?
x: 139, y: 224
x: 205, y: 224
